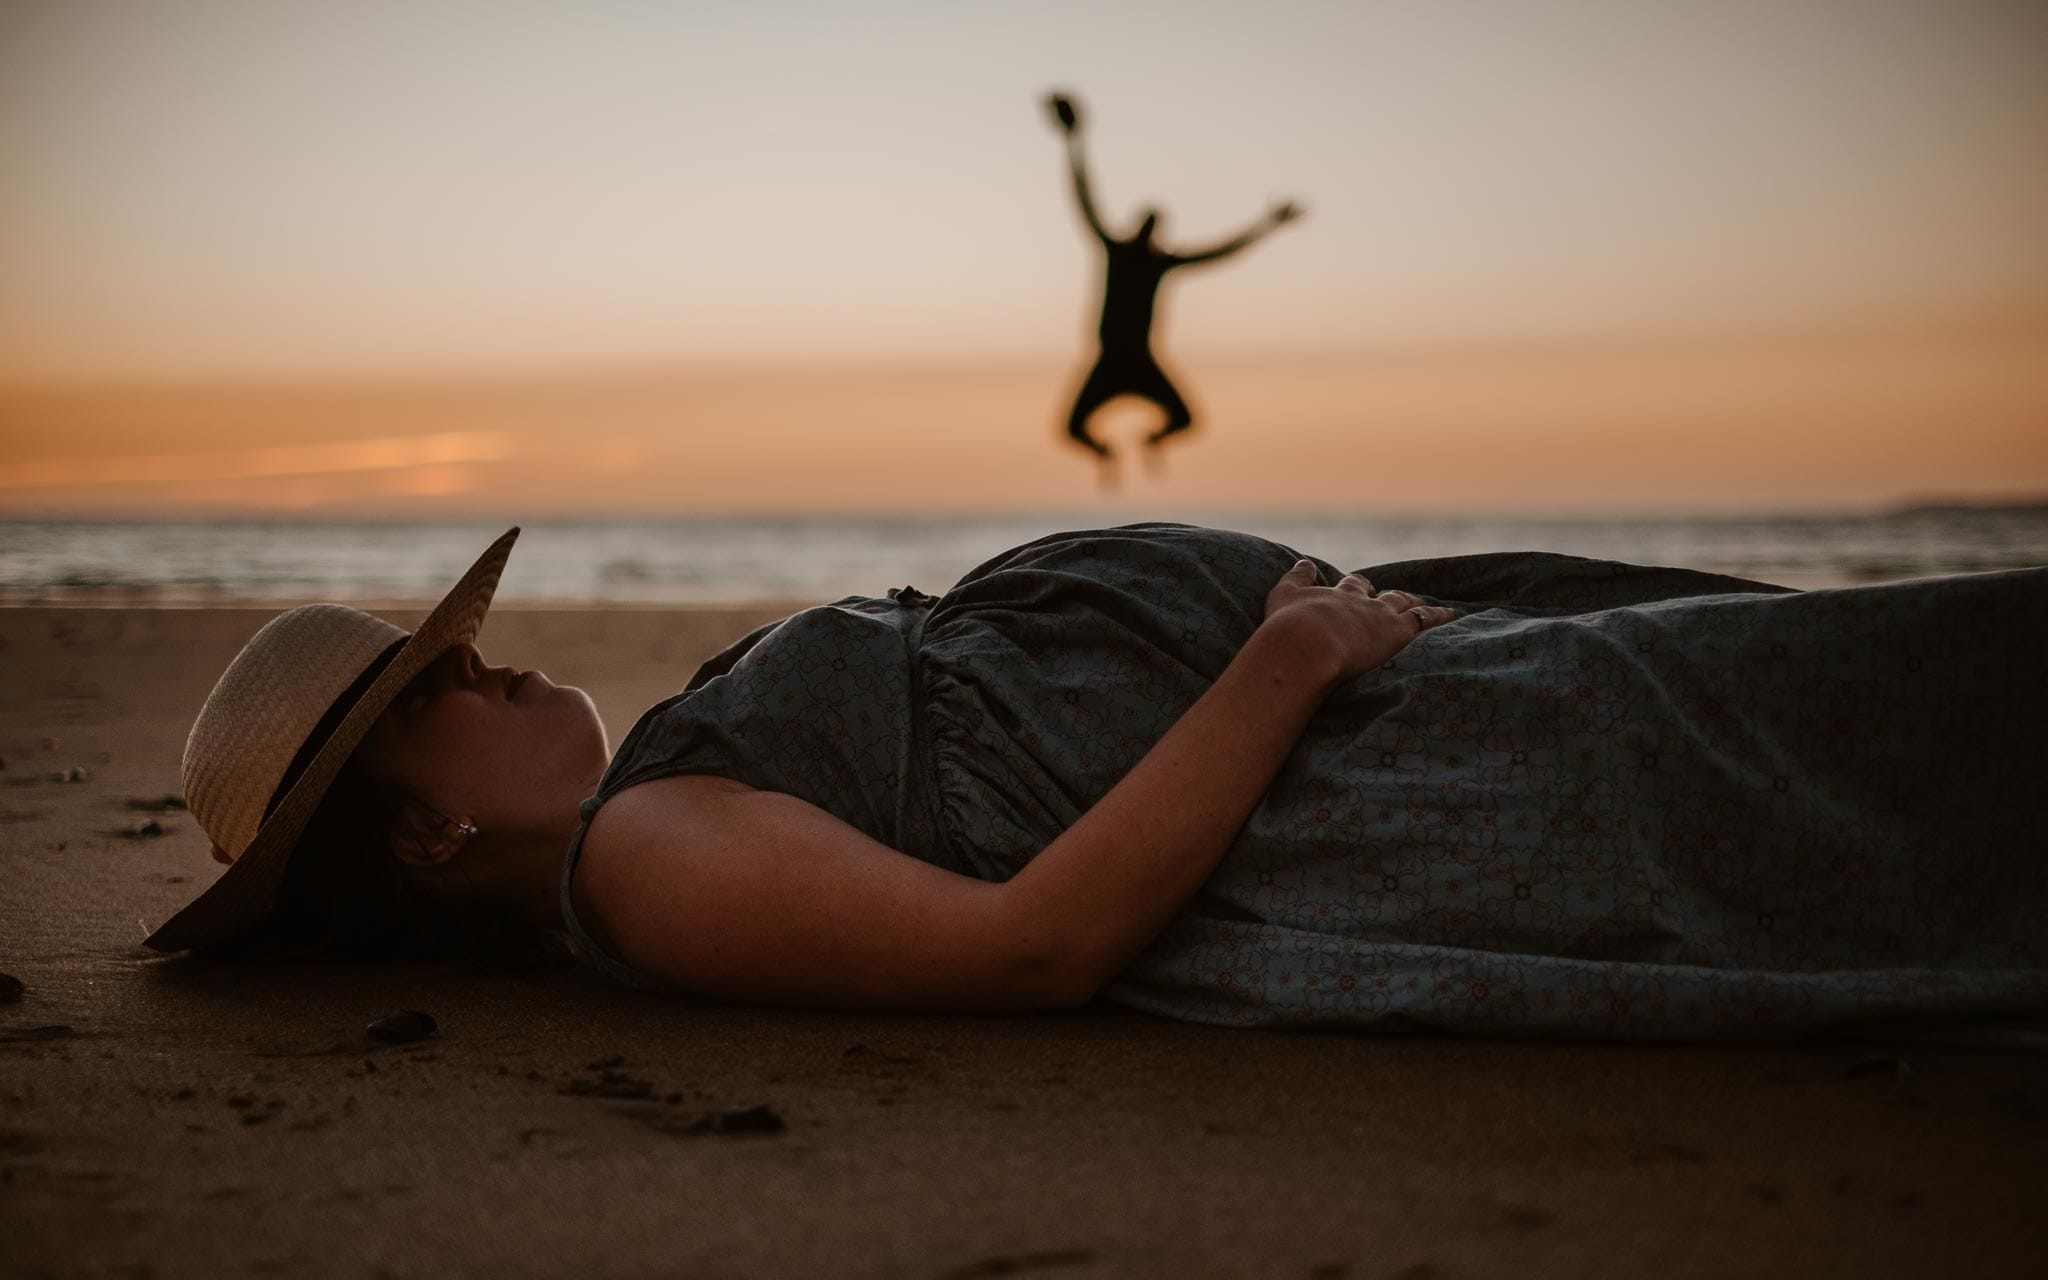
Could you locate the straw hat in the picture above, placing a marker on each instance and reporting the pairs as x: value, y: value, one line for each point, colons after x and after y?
x: 310, y: 668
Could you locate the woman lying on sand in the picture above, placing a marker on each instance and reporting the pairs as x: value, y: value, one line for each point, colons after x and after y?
x: 1187, y: 771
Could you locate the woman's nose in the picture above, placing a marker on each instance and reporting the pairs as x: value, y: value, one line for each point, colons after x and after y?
x: 475, y: 671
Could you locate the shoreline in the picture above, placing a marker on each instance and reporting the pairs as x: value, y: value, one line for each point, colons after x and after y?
x: 741, y: 563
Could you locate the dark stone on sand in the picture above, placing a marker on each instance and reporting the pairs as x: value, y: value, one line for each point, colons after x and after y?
x: 610, y: 1084
x: 402, y: 1027
x: 11, y: 987
x: 73, y: 774
x: 57, y: 1032
x: 161, y: 804
x: 1006, y: 1265
x: 734, y: 1120
x: 146, y: 828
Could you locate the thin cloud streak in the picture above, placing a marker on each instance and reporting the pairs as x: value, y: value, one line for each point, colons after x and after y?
x: 379, y: 453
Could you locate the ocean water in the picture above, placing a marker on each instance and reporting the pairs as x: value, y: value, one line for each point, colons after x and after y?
x: 729, y: 560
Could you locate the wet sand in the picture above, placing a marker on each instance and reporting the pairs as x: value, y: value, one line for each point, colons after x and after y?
x: 177, y: 1118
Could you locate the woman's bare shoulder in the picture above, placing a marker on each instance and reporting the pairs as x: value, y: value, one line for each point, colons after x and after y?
x: 647, y: 818
x: 677, y: 788
x: 664, y: 805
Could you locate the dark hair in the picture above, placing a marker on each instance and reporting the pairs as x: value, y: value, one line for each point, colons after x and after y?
x: 346, y: 894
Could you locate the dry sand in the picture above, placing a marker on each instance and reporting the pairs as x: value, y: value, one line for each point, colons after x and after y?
x: 195, y: 1120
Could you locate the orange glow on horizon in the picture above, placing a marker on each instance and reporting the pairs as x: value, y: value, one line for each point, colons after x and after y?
x: 1629, y: 429
x: 423, y: 453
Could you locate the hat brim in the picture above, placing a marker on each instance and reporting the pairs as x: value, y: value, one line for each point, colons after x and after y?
x: 247, y: 891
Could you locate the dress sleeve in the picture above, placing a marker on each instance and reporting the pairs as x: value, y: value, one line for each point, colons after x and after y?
x: 1546, y: 582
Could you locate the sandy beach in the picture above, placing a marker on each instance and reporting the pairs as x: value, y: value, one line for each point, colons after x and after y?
x: 170, y: 1118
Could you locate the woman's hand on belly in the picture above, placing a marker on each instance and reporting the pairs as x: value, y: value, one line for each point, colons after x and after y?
x: 1346, y: 630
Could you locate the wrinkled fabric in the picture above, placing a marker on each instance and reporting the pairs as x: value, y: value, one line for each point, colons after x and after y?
x: 1607, y: 801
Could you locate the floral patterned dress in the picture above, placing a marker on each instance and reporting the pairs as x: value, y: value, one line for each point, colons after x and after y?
x: 1606, y: 802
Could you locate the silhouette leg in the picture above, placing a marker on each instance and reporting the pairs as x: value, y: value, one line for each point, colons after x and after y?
x: 1160, y: 390
x: 1098, y: 390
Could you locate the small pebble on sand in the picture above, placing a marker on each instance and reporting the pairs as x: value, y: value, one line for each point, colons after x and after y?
x: 758, y: 1119
x: 57, y: 1031
x: 402, y: 1027
x: 10, y: 987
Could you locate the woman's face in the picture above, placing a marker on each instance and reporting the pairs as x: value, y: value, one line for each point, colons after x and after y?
x: 497, y: 747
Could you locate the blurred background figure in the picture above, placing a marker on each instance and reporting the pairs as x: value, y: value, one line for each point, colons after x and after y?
x: 1133, y: 269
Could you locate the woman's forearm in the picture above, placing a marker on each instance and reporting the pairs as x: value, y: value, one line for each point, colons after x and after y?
x: 1096, y: 896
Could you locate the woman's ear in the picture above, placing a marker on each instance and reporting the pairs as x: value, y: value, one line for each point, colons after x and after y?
x: 422, y: 837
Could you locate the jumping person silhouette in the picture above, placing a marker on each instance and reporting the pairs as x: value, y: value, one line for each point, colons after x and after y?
x: 1130, y: 288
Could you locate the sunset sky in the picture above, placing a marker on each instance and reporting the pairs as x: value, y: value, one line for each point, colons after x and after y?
x: 675, y: 257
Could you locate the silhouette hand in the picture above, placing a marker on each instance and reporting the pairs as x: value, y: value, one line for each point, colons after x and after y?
x: 1063, y: 112
x: 1285, y: 212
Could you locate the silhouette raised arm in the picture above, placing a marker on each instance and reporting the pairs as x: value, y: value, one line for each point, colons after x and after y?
x: 1280, y: 215
x: 1069, y: 121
